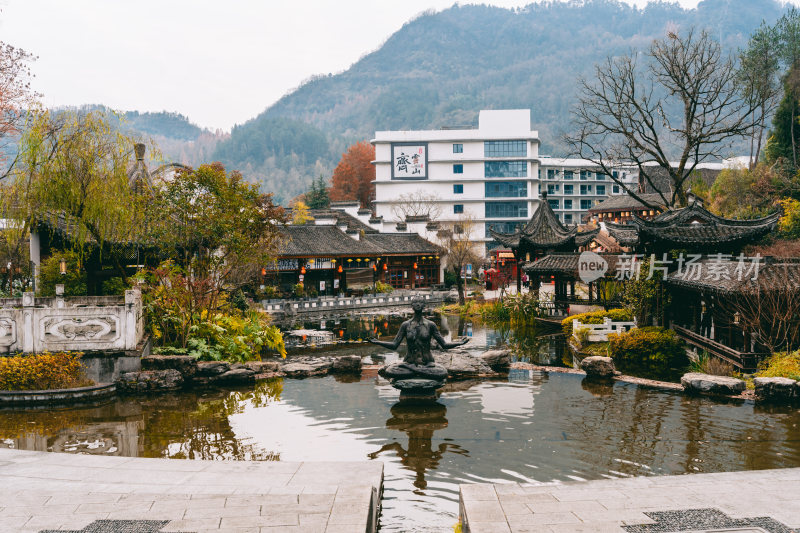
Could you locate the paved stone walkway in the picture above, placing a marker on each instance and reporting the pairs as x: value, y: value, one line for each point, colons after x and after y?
x: 764, y: 501
x: 63, y: 492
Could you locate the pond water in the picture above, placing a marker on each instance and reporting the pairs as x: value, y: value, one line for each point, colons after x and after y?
x: 529, y: 427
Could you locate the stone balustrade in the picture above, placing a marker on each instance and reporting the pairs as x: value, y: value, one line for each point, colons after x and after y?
x: 82, y: 323
x: 332, y: 304
x: 599, y: 332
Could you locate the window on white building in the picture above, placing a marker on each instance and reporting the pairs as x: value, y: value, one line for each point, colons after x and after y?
x: 458, y: 209
x: 458, y: 188
x: 458, y: 148
x: 600, y: 189
x: 505, y: 148
x: 586, y: 204
x: 458, y: 168
x: 568, y: 188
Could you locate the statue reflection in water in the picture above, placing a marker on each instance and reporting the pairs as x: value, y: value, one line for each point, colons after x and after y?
x: 419, y: 422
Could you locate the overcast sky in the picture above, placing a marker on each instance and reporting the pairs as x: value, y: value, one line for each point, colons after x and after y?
x: 218, y: 62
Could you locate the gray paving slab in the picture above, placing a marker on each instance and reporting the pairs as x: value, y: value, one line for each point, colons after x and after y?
x: 764, y: 501
x: 48, y: 492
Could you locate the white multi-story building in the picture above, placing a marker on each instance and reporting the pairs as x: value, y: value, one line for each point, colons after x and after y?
x: 575, y: 185
x: 489, y: 174
x: 492, y: 175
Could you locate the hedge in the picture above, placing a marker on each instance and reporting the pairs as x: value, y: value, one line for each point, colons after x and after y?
x: 781, y: 365
x: 650, y: 348
x: 596, y: 317
x: 42, y: 372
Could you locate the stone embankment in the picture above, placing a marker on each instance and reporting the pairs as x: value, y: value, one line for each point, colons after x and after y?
x: 173, y: 372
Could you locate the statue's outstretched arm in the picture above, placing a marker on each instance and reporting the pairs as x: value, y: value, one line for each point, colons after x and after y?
x: 443, y: 343
x: 395, y: 344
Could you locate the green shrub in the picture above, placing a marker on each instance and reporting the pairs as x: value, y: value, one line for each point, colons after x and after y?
x: 74, y: 280
x: 781, y: 365
x: 115, y: 286
x: 43, y: 371
x: 582, y: 335
x: 383, y: 287
x: 298, y: 290
x: 269, y: 292
x: 596, y: 317
x: 239, y: 301
x: 708, y: 364
x: 651, y: 349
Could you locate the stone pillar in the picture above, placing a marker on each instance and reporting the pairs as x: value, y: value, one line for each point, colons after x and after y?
x: 27, y: 333
x: 132, y: 298
x: 60, y: 297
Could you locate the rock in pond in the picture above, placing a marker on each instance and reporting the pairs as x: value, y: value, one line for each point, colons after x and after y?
x: 212, y: 368
x: 347, y: 364
x: 781, y: 390
x: 498, y: 360
x: 150, y: 380
x: 303, y: 370
x: 241, y: 374
x: 460, y: 364
x: 185, y: 364
x: 695, y: 382
x: 597, y: 366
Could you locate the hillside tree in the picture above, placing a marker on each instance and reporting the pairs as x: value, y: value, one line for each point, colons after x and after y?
x: 353, y: 176
x: 682, y: 107
x: 758, y: 76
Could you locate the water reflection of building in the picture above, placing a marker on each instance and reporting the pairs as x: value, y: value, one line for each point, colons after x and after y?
x: 419, y: 422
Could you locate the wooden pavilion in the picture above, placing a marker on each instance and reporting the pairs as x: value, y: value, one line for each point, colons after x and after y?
x: 726, y: 306
x: 693, y: 229
x: 543, y: 234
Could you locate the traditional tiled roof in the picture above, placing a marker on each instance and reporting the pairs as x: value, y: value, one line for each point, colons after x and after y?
x: 342, y: 217
x: 625, y: 202
x: 694, y: 227
x: 325, y: 241
x: 543, y: 232
x: 730, y: 276
x: 624, y: 234
x: 322, y: 241
x: 402, y: 243
x: 566, y: 264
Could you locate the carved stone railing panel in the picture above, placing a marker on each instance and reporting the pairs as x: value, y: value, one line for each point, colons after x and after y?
x: 71, y: 324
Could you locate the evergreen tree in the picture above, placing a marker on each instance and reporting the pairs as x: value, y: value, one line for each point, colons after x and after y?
x: 317, y: 197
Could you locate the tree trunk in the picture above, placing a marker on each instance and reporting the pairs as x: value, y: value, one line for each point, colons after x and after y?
x: 750, y: 163
x: 459, y: 286
x: 791, y: 134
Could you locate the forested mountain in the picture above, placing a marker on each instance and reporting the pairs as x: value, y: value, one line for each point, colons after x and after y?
x: 442, y: 68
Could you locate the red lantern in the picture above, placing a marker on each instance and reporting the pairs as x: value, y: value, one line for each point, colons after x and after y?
x: 303, y: 270
x: 375, y: 267
x: 415, y: 266
x: 263, y: 271
x: 339, y: 269
x: 385, y: 267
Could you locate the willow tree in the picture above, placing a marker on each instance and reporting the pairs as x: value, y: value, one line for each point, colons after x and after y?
x: 71, y: 171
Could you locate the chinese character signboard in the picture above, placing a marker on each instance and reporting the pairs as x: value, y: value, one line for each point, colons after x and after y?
x: 409, y: 161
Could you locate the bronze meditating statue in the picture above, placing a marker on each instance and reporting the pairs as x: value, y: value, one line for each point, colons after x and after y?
x: 418, y: 364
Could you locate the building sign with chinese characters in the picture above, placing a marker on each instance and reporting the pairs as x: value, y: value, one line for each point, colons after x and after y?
x: 409, y: 161
x: 283, y: 264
